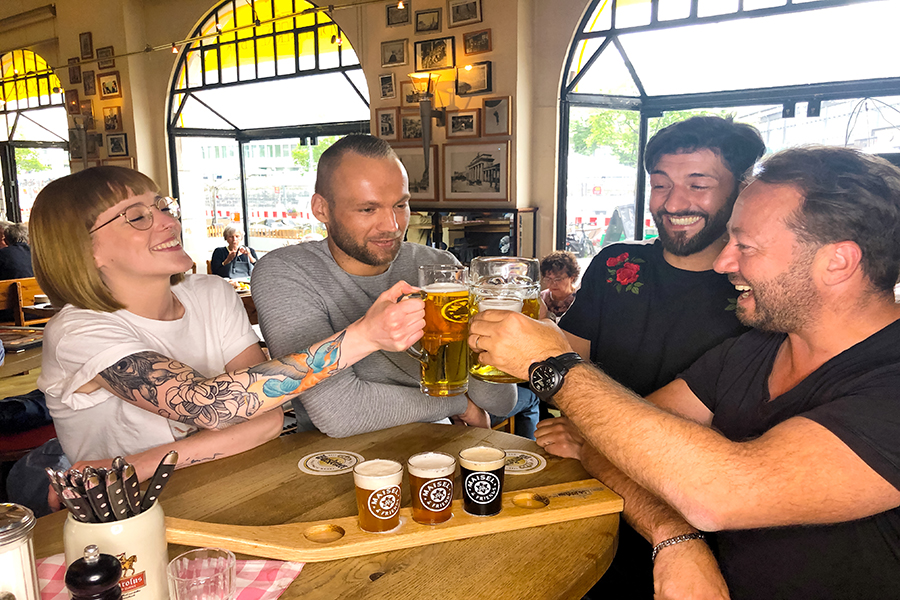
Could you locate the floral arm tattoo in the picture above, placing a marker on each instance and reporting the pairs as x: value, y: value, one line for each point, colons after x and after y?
x: 178, y: 392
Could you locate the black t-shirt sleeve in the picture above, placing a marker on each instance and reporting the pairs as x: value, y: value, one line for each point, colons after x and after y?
x: 703, y: 376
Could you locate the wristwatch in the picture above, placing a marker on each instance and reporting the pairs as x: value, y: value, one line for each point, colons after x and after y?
x: 546, y: 377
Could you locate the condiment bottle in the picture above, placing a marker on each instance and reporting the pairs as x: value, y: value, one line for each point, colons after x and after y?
x: 94, y: 577
x: 18, y: 575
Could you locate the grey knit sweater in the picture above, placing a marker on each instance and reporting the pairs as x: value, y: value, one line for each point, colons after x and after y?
x: 303, y: 296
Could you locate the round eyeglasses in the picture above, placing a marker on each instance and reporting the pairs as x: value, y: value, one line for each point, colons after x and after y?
x: 140, y: 216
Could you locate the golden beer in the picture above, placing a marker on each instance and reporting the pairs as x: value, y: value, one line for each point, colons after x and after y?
x: 431, y: 485
x: 482, y: 298
x: 378, y: 494
x: 445, y: 353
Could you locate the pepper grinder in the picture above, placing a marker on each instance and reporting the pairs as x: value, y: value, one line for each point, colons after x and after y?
x: 94, y: 577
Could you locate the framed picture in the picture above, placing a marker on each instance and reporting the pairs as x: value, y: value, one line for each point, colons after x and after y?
x: 474, y: 42
x: 434, y: 54
x: 74, y: 71
x: 117, y: 144
x: 112, y: 118
x: 422, y: 183
x: 398, y: 16
x: 410, y: 125
x: 463, y: 123
x: 87, y: 109
x: 94, y: 141
x: 89, y: 83
x: 105, y: 58
x: 428, y: 21
x: 496, y: 115
x: 78, y: 165
x: 386, y: 123
x: 474, y: 79
x: 125, y: 161
x: 86, y: 43
x: 73, y: 106
x: 109, y: 85
x: 463, y: 12
x: 393, y: 53
x: 76, y: 144
x: 476, y: 171
x: 388, y: 87
x: 408, y: 95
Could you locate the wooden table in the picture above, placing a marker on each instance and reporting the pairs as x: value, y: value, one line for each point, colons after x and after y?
x: 265, y: 487
x: 20, y: 362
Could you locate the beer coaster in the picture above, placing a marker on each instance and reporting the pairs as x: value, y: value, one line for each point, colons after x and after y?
x: 523, y: 462
x: 330, y: 462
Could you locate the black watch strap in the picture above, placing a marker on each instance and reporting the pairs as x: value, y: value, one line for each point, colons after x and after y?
x: 566, y: 361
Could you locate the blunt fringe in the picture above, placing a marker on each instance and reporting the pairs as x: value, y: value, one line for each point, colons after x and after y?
x: 847, y: 196
x: 62, y: 249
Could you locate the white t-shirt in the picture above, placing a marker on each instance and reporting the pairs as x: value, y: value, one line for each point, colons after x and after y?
x: 79, y: 344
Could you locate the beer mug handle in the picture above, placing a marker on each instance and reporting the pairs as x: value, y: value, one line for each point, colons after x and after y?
x: 420, y: 295
x: 416, y: 354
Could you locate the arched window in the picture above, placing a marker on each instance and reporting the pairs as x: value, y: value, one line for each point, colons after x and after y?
x: 263, y: 89
x: 33, y: 139
x: 811, y: 71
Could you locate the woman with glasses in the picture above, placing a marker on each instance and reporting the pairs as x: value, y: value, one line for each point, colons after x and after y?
x: 559, y: 271
x: 141, y: 359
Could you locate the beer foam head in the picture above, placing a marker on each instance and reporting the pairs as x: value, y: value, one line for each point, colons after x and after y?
x: 377, y: 474
x: 482, y: 458
x: 512, y: 304
x: 445, y: 287
x: 428, y: 465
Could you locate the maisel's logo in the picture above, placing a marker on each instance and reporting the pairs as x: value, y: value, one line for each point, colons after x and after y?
x: 385, y: 503
x: 130, y: 581
x: 456, y: 311
x: 483, y: 487
x: 436, y: 494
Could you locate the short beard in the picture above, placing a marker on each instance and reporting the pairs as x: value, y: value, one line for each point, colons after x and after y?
x: 786, y: 304
x: 359, y: 252
x: 681, y: 245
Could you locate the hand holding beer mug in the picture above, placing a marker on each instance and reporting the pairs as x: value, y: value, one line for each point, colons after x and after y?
x: 444, y: 354
x: 499, y: 283
x: 378, y: 494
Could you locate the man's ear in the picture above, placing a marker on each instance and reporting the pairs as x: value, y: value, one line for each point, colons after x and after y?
x: 319, y: 207
x: 843, y: 261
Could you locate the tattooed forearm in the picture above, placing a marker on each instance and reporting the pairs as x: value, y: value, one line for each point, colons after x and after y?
x: 194, y: 461
x: 178, y: 392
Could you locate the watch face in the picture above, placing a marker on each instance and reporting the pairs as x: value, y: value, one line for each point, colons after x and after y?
x: 544, y: 378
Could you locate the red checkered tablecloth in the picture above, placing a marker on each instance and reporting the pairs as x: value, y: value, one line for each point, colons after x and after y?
x: 256, y: 579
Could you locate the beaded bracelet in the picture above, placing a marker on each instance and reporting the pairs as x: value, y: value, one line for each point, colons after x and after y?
x: 675, y: 540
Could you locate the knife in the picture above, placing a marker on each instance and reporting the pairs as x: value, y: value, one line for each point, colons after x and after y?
x: 132, y: 489
x: 58, y: 488
x: 118, y: 463
x: 96, y: 495
x: 79, y: 506
x: 116, y: 494
x: 76, y: 480
x: 159, y: 479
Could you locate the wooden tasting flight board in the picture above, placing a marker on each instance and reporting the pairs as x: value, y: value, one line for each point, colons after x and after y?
x: 334, y: 539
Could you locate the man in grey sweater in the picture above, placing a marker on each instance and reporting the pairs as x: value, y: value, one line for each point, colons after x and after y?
x: 309, y: 291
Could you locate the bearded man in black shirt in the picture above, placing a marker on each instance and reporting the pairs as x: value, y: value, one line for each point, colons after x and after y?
x: 785, y: 442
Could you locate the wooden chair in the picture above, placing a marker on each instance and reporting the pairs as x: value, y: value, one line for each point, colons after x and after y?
x: 209, y: 267
x: 17, y: 293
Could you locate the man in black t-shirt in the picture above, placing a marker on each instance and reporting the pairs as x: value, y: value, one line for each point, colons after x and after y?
x: 647, y: 311
x: 784, y: 441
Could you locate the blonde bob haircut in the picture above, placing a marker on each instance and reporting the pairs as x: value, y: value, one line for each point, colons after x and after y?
x: 62, y: 250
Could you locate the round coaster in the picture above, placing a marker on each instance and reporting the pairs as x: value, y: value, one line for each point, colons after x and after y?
x: 523, y: 462
x: 330, y: 462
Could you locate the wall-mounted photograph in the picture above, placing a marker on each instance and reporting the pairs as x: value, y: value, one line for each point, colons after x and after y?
x: 474, y: 42
x: 112, y: 118
x: 410, y: 125
x: 89, y: 83
x: 428, y: 21
x: 463, y: 12
x: 94, y: 142
x: 422, y: 183
x: 105, y: 58
x: 388, y: 88
x: 87, y: 110
x: 476, y: 171
x: 408, y: 95
x: 76, y: 145
x: 72, y: 104
x: 74, y: 71
x: 463, y: 123
x: 496, y: 116
x: 109, y: 86
x: 398, y: 16
x: 386, y: 123
x: 434, y: 54
x: 117, y: 144
x: 86, y: 43
x: 393, y: 53
x: 474, y: 79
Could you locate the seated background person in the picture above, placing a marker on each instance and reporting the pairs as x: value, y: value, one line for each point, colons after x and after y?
x: 233, y: 261
x: 559, y: 271
x: 142, y: 360
x: 15, y: 257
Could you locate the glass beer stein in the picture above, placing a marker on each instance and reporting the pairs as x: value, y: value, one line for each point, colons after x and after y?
x: 501, y: 283
x: 444, y: 355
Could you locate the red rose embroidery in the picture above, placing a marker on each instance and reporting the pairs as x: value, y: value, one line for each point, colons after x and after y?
x: 628, y: 273
x: 617, y: 260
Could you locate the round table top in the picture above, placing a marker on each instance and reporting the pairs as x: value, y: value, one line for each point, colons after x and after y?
x: 264, y: 486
